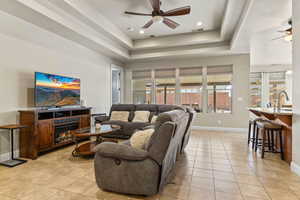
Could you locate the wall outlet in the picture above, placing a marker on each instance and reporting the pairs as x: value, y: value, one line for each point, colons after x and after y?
x: 219, y: 122
x: 240, y: 99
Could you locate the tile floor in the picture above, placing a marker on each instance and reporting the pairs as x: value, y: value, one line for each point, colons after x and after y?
x: 216, y: 166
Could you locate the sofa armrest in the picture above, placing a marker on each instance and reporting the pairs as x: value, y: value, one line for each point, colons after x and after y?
x: 120, y: 151
x: 101, y: 118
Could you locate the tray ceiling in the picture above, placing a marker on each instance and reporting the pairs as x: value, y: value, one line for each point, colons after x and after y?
x: 102, y: 27
x: 211, y: 14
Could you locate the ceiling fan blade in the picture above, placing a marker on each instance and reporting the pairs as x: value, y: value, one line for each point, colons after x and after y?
x: 287, y: 31
x: 148, y: 24
x: 178, y: 11
x: 279, y: 37
x: 155, y: 5
x: 170, y: 23
x: 134, y: 13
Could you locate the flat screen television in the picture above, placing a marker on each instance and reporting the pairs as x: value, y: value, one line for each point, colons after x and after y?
x: 56, y: 91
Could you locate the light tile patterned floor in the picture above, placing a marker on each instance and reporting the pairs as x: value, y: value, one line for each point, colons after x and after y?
x: 216, y: 166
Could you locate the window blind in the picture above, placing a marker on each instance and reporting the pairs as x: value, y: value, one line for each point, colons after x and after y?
x: 277, y: 75
x: 165, y: 73
x: 215, y: 70
x: 190, y: 71
x: 141, y: 74
x: 255, y: 75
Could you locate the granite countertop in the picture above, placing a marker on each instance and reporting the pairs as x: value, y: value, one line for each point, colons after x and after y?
x: 283, y: 111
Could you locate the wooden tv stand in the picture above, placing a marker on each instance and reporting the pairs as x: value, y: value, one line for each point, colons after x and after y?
x: 49, y: 129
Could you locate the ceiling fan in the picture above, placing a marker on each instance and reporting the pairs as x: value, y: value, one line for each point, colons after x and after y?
x: 160, y: 16
x: 288, y: 33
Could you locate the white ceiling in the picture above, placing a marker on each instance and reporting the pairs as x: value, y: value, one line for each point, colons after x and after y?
x: 267, y: 51
x: 211, y: 14
x: 102, y: 27
x: 259, y: 37
x: 263, y: 15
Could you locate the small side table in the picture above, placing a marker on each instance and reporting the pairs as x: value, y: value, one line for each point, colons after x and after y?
x: 13, y: 161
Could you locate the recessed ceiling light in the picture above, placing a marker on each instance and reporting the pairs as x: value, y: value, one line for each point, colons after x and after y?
x: 199, y: 23
x: 142, y: 31
x: 130, y: 29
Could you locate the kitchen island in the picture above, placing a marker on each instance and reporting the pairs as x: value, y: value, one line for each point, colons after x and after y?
x: 283, y: 117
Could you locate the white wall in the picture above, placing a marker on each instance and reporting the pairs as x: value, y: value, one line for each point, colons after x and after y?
x: 25, y: 49
x: 264, y: 50
x: 296, y: 82
x: 241, y: 68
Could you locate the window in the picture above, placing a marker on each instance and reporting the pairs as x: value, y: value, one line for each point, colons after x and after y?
x: 142, y: 87
x: 255, y: 89
x: 186, y: 86
x: 191, y: 87
x: 219, y: 89
x: 265, y: 86
x: 165, y: 83
x: 276, y: 84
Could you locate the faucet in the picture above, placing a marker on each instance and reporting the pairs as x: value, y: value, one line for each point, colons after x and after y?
x: 278, y: 98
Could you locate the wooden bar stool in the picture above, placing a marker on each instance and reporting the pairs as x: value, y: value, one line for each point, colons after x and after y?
x: 251, y: 124
x: 269, y: 131
x: 252, y: 131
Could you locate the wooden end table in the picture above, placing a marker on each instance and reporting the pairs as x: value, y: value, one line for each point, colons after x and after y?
x: 12, y: 162
x: 87, y: 149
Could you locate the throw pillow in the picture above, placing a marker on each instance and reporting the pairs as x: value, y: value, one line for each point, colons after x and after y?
x: 141, y: 116
x: 119, y: 116
x: 140, y: 139
x: 154, y: 118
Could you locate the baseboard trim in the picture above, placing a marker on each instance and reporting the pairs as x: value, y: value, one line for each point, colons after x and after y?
x: 226, y: 129
x: 6, y: 156
x: 295, y: 168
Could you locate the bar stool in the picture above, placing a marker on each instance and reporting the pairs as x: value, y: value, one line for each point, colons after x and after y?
x: 251, y: 123
x: 269, y: 131
x: 252, y: 131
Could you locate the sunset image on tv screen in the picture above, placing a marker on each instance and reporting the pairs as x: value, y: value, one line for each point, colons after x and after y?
x: 54, y: 90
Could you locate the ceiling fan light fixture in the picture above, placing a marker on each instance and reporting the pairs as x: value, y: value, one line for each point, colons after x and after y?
x: 142, y: 31
x: 157, y: 19
x: 288, y: 38
x: 160, y: 16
